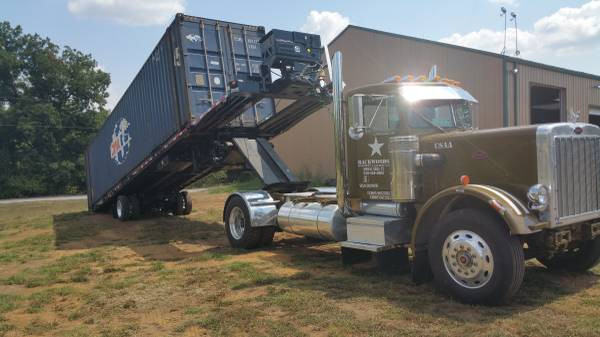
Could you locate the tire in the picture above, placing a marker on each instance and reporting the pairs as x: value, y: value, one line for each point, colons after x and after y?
x: 587, y: 257
x: 237, y: 225
x: 183, y: 204
x: 266, y: 236
x: 188, y: 203
x: 123, y: 208
x: 475, y: 259
x: 113, y: 210
x: 135, y: 207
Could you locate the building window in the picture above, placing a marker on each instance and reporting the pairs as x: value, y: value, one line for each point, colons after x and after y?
x: 594, y: 116
x: 547, y: 104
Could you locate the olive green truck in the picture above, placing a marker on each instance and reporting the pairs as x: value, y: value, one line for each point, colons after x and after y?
x: 420, y: 189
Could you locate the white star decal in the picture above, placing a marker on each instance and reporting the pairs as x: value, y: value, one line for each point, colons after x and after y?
x: 375, y: 147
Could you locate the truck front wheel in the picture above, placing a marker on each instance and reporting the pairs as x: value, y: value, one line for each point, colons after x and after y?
x: 585, y: 257
x: 474, y: 258
x: 237, y: 225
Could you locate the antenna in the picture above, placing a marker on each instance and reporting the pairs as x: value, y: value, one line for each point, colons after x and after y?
x: 513, y: 17
x: 503, y: 13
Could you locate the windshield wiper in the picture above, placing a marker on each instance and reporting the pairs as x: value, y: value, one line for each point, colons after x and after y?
x: 429, y: 121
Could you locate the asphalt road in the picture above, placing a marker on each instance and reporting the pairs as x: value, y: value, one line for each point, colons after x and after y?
x: 64, y: 198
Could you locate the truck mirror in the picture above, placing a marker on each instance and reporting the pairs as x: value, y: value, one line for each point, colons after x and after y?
x: 357, y: 123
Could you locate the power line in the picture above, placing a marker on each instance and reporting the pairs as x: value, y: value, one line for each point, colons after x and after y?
x: 40, y: 126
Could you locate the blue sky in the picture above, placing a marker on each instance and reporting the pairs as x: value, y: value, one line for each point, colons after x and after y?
x: 121, y: 33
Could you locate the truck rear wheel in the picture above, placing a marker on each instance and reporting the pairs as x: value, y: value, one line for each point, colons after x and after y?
x: 585, y: 257
x: 475, y: 259
x: 237, y: 225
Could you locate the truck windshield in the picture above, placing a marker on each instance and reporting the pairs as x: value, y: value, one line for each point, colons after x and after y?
x: 384, y: 112
x: 444, y: 115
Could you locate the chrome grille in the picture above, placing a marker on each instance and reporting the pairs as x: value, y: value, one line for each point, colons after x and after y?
x: 577, y: 174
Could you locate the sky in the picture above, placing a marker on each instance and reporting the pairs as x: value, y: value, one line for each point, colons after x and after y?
x: 120, y: 34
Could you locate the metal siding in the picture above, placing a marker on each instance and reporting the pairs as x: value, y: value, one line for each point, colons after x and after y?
x: 580, y: 92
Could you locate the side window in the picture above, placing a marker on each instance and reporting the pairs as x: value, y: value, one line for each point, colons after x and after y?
x: 376, y: 111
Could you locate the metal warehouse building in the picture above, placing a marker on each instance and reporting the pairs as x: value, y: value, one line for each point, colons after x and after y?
x: 511, y: 91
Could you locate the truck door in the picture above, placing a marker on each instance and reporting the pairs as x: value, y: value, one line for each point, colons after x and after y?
x: 372, y: 120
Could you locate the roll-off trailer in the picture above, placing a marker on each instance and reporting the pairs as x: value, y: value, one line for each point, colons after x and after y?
x: 417, y: 185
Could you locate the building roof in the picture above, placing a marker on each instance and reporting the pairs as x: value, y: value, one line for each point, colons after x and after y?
x: 477, y: 51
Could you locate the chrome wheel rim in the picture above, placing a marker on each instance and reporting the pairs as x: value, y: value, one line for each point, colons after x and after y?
x: 468, y: 259
x: 237, y: 223
x: 119, y: 208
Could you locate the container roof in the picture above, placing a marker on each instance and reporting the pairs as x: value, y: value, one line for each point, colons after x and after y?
x: 477, y: 51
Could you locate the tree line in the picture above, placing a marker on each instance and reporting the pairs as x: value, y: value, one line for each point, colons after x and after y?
x: 52, y: 102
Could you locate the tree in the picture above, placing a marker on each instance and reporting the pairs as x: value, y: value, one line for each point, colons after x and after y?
x: 52, y: 102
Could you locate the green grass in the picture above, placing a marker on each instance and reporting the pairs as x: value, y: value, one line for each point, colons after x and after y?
x: 56, y: 271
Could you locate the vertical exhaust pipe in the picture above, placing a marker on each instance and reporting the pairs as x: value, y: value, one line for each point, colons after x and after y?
x: 338, y: 131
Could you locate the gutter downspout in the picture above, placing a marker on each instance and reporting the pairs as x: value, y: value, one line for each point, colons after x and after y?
x: 504, y: 93
x: 516, y: 93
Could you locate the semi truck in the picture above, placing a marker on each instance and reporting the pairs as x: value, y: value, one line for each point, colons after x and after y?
x: 418, y: 186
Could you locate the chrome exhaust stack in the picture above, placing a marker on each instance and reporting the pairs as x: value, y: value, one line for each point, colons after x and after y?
x: 338, y: 131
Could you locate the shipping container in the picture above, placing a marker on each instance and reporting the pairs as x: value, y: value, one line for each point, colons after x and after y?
x: 204, y: 84
x: 188, y: 72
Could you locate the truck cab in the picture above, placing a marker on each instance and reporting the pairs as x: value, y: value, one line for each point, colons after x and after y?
x: 415, y: 177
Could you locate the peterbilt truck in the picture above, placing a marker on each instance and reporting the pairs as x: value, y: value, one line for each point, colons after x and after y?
x: 418, y: 185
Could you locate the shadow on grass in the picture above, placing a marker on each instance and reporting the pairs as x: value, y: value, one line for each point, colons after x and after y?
x: 318, y: 262
x: 150, y: 237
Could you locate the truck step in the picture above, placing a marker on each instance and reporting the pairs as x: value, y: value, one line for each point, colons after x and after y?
x: 369, y: 231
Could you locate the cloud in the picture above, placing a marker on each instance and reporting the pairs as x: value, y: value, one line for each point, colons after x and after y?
x: 505, y: 2
x: 128, y: 12
x: 567, y: 31
x: 327, y: 24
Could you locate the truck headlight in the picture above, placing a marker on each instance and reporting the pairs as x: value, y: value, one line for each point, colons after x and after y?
x: 538, y: 197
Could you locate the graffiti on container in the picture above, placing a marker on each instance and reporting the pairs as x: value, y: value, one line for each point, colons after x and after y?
x: 194, y: 38
x: 121, y: 140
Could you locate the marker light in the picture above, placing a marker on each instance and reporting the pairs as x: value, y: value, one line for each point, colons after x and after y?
x: 465, y: 180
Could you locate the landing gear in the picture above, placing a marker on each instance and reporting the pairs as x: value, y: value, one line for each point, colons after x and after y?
x: 585, y: 257
x: 474, y: 258
x: 237, y: 227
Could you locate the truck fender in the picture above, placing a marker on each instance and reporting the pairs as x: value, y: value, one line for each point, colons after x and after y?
x: 261, y: 207
x: 517, y: 217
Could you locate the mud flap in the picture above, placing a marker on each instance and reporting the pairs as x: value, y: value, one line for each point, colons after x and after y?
x: 393, y: 261
x: 420, y: 269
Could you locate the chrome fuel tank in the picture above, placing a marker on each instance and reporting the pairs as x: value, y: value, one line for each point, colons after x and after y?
x: 312, y: 219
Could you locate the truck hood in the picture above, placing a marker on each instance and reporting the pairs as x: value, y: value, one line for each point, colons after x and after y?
x: 505, y: 158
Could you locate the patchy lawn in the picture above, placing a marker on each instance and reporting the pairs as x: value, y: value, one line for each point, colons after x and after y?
x: 65, y: 272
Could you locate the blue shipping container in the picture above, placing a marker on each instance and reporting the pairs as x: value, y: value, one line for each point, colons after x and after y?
x: 191, y: 69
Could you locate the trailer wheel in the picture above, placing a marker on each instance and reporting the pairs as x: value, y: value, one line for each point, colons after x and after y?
x: 475, y: 259
x: 134, y: 207
x: 237, y: 225
x: 183, y: 204
x: 580, y: 260
x: 188, y: 203
x: 123, y: 208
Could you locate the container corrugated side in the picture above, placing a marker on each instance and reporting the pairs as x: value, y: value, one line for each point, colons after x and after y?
x: 215, y: 53
x: 145, y: 117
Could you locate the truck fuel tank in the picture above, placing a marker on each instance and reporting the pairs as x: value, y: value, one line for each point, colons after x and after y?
x: 313, y: 219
